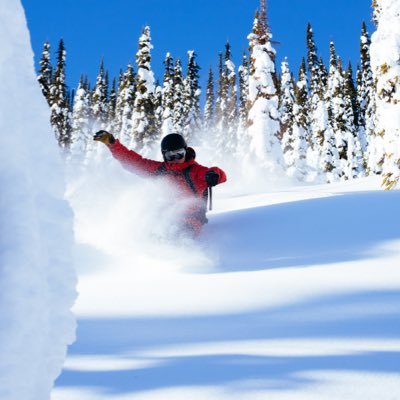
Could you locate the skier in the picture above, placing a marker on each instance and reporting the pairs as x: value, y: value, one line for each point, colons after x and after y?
x: 179, y: 166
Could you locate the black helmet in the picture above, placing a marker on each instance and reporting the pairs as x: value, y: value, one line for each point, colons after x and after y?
x: 173, y: 141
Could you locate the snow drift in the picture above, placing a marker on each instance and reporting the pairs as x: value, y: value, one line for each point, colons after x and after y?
x: 37, y: 281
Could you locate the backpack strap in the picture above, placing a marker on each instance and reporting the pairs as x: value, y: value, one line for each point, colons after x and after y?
x: 201, y: 214
x: 188, y: 179
x: 162, y: 171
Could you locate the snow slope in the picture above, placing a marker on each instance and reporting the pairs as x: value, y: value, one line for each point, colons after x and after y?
x: 37, y: 281
x: 292, y: 293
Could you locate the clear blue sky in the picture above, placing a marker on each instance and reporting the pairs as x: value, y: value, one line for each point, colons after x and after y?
x: 93, y: 29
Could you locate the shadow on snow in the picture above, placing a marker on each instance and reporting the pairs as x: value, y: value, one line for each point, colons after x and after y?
x: 370, y: 315
x: 342, y: 228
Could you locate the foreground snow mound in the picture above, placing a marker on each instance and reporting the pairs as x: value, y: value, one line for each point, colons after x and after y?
x: 37, y: 282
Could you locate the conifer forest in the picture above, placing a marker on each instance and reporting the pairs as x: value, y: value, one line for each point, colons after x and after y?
x: 326, y: 122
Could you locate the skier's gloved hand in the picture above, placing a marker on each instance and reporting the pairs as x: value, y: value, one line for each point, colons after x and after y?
x: 212, y: 178
x: 104, y: 137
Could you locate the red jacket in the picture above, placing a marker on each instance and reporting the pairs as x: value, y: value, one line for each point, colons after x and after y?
x: 134, y: 162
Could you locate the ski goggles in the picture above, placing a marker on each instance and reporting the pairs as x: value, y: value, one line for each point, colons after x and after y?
x: 174, y: 155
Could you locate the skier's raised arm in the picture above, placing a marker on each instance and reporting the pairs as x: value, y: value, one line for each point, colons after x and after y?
x: 131, y: 160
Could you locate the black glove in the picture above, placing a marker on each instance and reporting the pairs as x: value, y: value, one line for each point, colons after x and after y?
x: 104, y: 137
x: 212, y: 178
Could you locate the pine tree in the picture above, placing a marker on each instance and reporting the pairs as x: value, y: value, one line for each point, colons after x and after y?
x: 351, y: 91
x: 145, y: 132
x: 361, y: 120
x: 318, y: 106
x: 337, y: 116
x: 191, y: 99
x: 117, y: 121
x: 323, y: 76
x: 45, y: 72
x: 158, y: 107
x: 221, y: 103
x: 242, y: 136
x: 58, y: 101
x: 231, y: 112
x: 298, y: 167
x: 385, y: 49
x: 354, y: 166
x: 286, y: 101
x: 168, y: 96
x: 178, y: 120
x: 99, y: 100
x: 312, y: 60
x: 81, y: 135
x: 286, y: 105
x: 209, y: 107
x: 366, y: 100
x: 112, y: 105
x: 243, y: 73
x: 264, y: 125
x: 243, y: 90
x: 124, y: 106
x: 226, y: 129
x: 365, y: 82
x: 329, y: 160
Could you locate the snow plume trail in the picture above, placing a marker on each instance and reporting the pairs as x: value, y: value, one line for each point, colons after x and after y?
x: 127, y: 228
x: 244, y: 172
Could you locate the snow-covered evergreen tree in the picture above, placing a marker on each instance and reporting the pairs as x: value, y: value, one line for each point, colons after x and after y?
x: 227, y: 113
x: 178, y: 121
x: 337, y: 115
x: 286, y: 102
x: 385, y: 50
x: 318, y: 106
x: 366, y: 101
x: 286, y: 105
x: 99, y: 103
x: 243, y: 73
x: 112, y: 104
x: 58, y: 101
x: 263, y: 118
x: 231, y: 141
x: 354, y: 166
x: 81, y: 133
x: 117, y: 122
x: 45, y: 72
x: 144, y: 128
x: 329, y: 160
x: 361, y: 115
x: 191, y: 99
x: 158, y: 109
x: 221, y: 120
x: 352, y: 93
x: 297, y: 165
x: 124, y: 106
x: 294, y: 121
x: 209, y: 107
x: 167, y: 126
x: 312, y: 60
